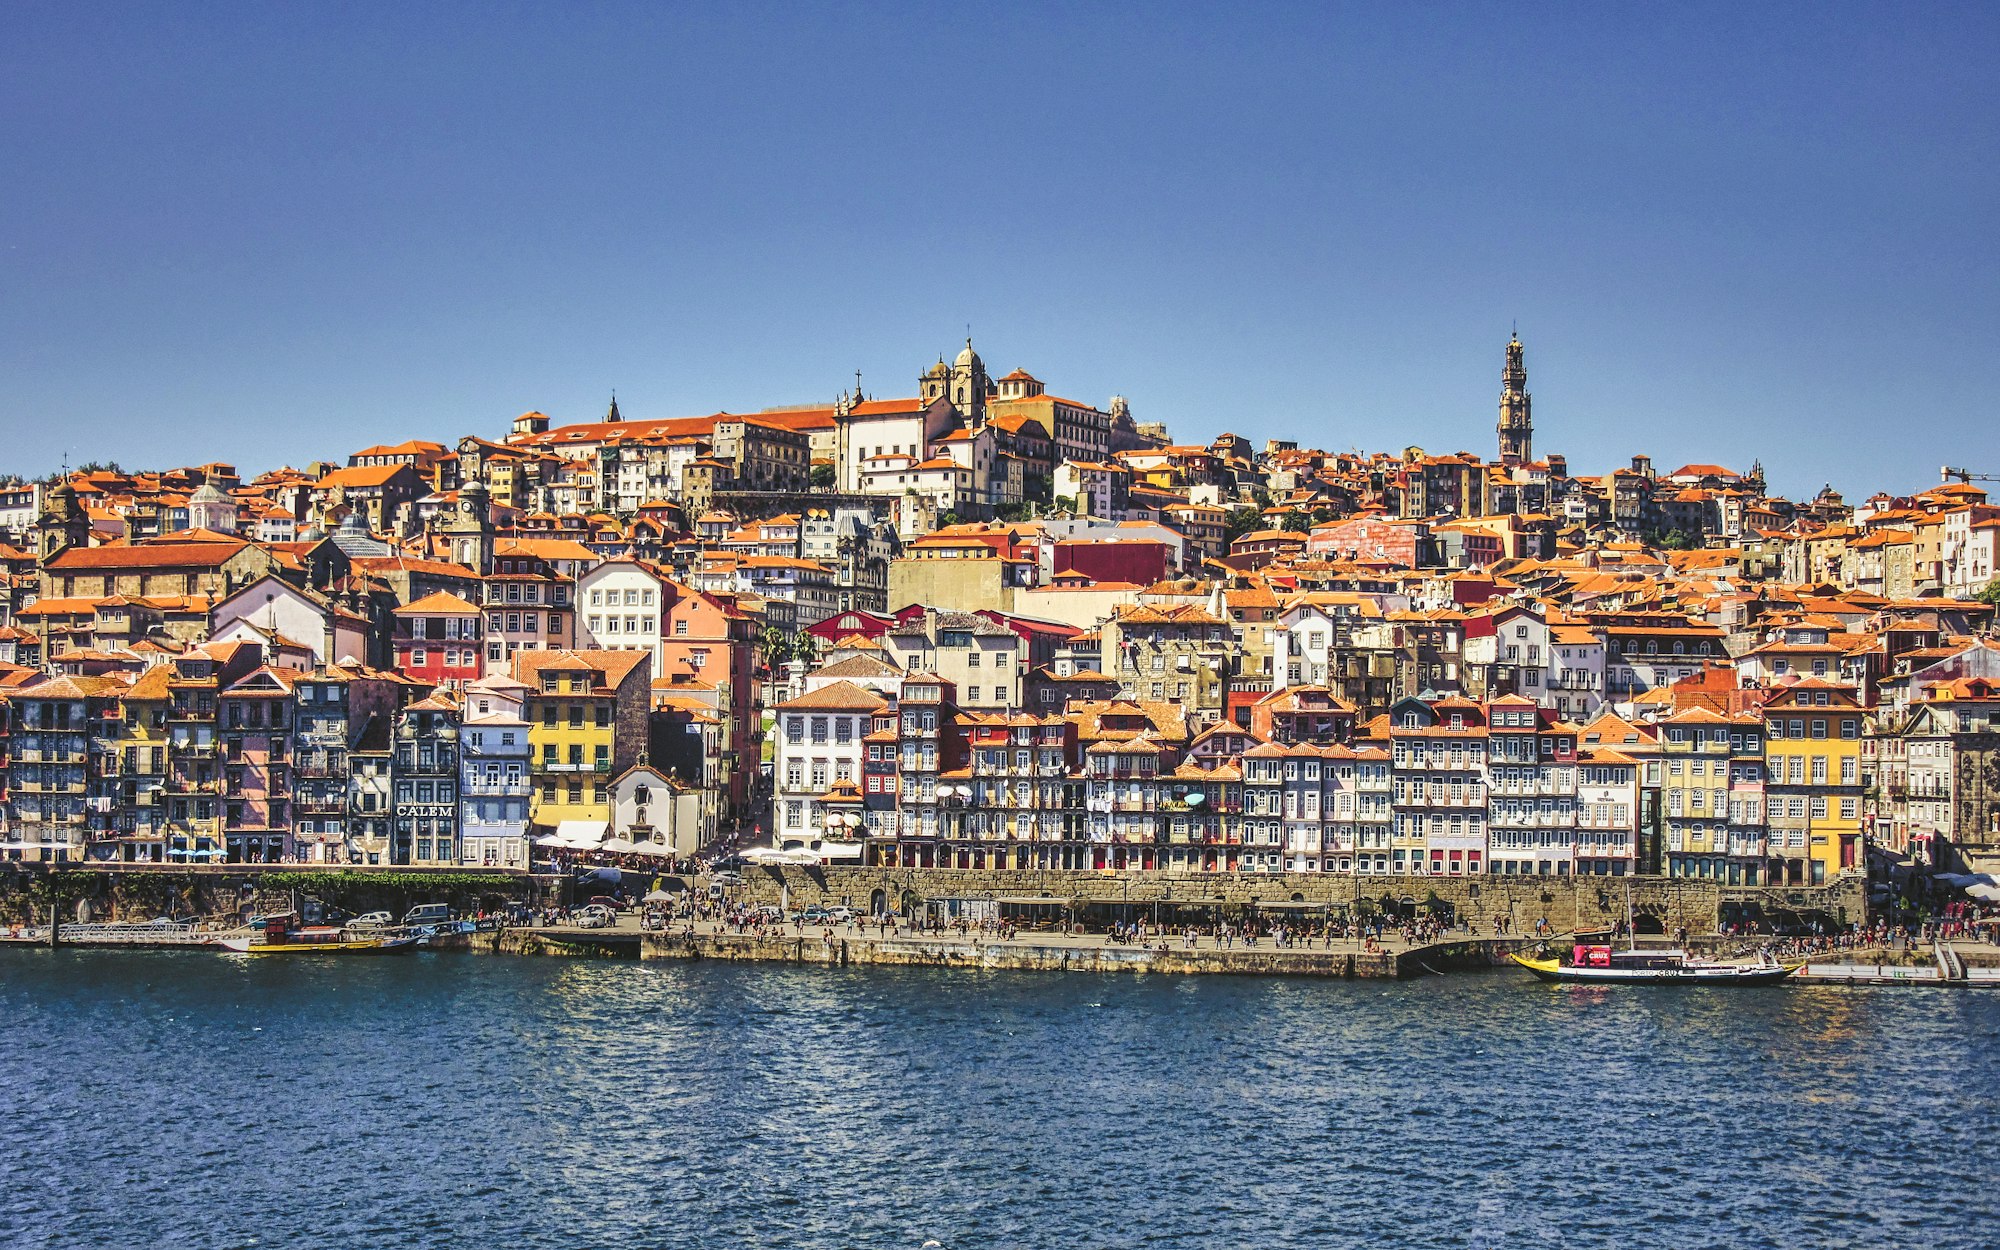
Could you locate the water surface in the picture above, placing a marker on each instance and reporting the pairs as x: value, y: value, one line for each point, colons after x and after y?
x: 186, y: 1099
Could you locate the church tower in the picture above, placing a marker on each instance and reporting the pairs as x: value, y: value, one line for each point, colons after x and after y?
x: 1517, y: 425
x: 970, y: 387
x: 468, y: 529
x: 63, y: 524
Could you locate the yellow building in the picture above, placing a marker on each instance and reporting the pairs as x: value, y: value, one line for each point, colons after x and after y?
x: 1694, y: 743
x: 1812, y: 754
x: 587, y: 714
x: 138, y: 762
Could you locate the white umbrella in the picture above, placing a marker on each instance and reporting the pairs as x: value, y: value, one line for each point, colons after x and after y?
x: 550, y: 839
x: 616, y: 846
x: 658, y: 896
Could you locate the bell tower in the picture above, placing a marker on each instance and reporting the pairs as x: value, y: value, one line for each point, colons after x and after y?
x: 1517, y: 425
x: 468, y: 529
x: 63, y: 524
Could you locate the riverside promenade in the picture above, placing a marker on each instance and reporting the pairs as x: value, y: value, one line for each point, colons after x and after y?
x: 842, y: 946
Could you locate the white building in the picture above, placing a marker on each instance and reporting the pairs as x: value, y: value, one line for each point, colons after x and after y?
x: 271, y: 605
x: 652, y: 811
x: 887, y: 427
x: 618, y: 608
x: 1311, y: 632
x: 818, y: 747
x: 1607, y: 813
x: 1531, y: 787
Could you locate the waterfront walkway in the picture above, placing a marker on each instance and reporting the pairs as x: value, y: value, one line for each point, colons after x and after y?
x: 846, y: 945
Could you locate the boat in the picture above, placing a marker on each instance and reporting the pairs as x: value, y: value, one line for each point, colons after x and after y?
x: 1600, y: 965
x: 282, y: 935
x: 1593, y: 961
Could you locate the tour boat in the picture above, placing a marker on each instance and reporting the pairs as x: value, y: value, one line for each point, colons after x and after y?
x: 1593, y: 961
x: 1600, y: 965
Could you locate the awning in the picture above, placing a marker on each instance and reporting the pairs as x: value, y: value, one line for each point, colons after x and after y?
x: 1033, y: 900
x: 584, y: 835
x: 549, y: 839
x: 659, y: 850
x: 1288, y: 906
x: 766, y: 855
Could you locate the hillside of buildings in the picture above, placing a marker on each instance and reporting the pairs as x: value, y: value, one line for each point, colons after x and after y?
x: 986, y: 626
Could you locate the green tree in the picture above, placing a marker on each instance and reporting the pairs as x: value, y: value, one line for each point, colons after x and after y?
x: 1989, y: 593
x: 822, y: 477
x: 1242, y: 521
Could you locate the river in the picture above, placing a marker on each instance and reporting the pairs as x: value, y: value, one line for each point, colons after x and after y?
x: 198, y: 1100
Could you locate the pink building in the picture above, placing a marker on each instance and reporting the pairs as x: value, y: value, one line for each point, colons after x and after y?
x: 256, y: 731
x: 1371, y: 540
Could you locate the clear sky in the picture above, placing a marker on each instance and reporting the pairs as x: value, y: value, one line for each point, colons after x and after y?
x: 275, y: 234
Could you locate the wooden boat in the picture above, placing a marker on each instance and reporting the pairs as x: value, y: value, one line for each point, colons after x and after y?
x: 1599, y: 965
x: 282, y: 936
x: 1593, y: 961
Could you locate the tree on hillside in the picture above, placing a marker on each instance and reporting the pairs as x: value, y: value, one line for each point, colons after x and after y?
x: 1242, y: 521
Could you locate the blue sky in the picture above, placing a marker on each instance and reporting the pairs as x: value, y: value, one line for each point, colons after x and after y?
x: 275, y: 236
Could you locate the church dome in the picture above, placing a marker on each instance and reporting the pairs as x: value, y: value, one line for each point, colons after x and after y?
x: 207, y: 493
x: 968, y: 357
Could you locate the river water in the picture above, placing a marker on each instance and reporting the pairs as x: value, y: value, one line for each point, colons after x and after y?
x: 198, y: 1100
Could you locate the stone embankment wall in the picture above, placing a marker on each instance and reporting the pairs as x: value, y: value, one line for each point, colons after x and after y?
x: 1567, y: 903
x: 1019, y: 955
x: 107, y: 895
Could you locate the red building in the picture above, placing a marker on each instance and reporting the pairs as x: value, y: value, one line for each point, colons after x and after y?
x: 1372, y: 540
x: 870, y: 625
x: 437, y: 640
x: 1136, y: 561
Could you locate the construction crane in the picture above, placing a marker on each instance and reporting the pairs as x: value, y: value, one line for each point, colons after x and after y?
x: 1949, y: 474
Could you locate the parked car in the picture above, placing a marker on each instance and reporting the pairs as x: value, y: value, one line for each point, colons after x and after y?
x: 727, y: 878
x: 593, y: 916
x: 371, y: 920
x: 840, y: 915
x: 815, y: 915
x: 605, y: 900
x: 428, y: 913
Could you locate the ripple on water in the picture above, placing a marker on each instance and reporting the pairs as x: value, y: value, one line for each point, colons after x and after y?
x: 183, y: 1101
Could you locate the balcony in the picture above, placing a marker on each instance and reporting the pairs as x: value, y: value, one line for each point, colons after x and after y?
x: 47, y: 755
x: 599, y: 766
x: 195, y: 750
x: 321, y: 805
x: 495, y: 788
x: 23, y: 786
